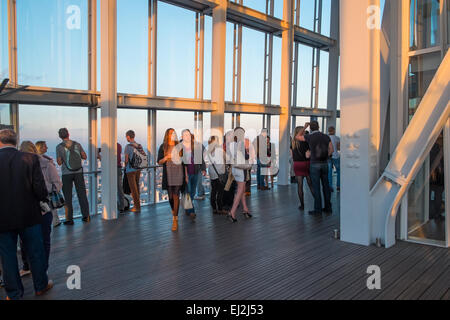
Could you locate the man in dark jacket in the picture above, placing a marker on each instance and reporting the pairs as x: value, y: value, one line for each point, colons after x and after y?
x: 22, y: 187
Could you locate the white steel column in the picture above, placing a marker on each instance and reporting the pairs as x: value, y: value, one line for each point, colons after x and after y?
x: 13, y: 73
x: 333, y: 67
x: 109, y: 108
x: 218, y: 67
x: 92, y: 115
x: 360, y: 91
x: 199, y: 72
x: 285, y: 94
x: 399, y: 70
x: 152, y: 92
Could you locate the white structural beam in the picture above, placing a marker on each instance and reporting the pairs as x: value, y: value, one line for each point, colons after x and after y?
x: 218, y: 66
x: 109, y: 107
x: 92, y: 114
x: 399, y: 47
x: 285, y: 94
x: 360, y: 50
x: 333, y: 66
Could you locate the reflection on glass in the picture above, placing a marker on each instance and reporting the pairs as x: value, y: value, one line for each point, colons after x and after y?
x: 3, y: 39
x: 426, y: 198
x: 421, y: 72
x: 4, y: 114
x: 424, y: 24
x: 52, y: 43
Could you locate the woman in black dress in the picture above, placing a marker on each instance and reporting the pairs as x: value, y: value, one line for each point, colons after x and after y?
x: 301, y: 154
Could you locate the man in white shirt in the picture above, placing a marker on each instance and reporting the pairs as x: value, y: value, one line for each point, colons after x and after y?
x: 335, y: 160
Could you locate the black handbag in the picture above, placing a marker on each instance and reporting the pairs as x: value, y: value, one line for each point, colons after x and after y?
x: 223, y: 178
x: 56, y: 198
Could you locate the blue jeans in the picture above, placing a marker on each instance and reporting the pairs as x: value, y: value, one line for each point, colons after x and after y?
x: 191, y: 188
x: 200, y: 187
x: 259, y: 176
x: 319, y: 173
x: 34, y: 245
x: 336, y: 163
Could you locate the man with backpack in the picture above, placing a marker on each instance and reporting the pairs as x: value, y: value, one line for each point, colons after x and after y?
x: 321, y: 150
x: 135, y: 160
x: 70, y: 155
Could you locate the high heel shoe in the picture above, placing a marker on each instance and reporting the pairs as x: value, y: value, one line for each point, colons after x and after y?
x: 247, y: 214
x: 230, y: 217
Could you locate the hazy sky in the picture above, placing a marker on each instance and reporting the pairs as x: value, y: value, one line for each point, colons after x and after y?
x: 52, y: 52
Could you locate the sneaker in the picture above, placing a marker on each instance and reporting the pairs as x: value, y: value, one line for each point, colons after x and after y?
x: 24, y: 273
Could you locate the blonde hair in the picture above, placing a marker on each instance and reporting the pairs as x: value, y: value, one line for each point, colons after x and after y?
x: 28, y: 147
x: 295, y: 143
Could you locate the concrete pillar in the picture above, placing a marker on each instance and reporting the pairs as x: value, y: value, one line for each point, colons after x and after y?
x: 109, y: 108
x: 399, y: 41
x: 285, y: 94
x: 333, y: 67
x: 360, y: 91
x: 218, y: 67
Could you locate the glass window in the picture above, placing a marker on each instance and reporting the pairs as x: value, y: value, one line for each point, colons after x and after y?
x: 304, y: 76
x: 252, y: 66
x: 208, y: 59
x: 4, y: 64
x: 421, y: 72
x: 176, y: 51
x: 424, y: 24
x: 323, y: 80
x: 52, y: 44
x: 252, y: 123
x: 4, y: 114
x: 326, y: 17
x: 426, y: 200
x: 307, y: 14
x: 276, y: 71
x: 132, y: 46
x: 229, y: 63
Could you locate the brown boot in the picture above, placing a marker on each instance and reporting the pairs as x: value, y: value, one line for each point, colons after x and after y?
x: 175, y: 224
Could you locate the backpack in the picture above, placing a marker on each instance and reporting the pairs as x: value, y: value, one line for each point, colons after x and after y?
x: 73, y: 156
x: 139, y: 159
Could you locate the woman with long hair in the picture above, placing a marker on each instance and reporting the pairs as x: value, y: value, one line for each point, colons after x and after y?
x: 242, y: 162
x: 194, y: 164
x: 300, y: 155
x: 173, y: 172
x: 52, y: 182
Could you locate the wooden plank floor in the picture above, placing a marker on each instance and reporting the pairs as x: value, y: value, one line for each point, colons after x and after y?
x: 279, y: 254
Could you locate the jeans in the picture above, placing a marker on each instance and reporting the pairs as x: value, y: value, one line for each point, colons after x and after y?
x: 319, y: 173
x: 46, y: 232
x: 120, y: 195
x: 259, y: 176
x: 200, y: 187
x: 34, y: 246
x: 217, y: 190
x: 78, y: 179
x: 191, y: 188
x: 336, y: 163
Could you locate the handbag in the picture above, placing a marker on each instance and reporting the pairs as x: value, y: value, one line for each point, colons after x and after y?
x: 229, y: 181
x: 186, y: 201
x: 56, y: 198
x: 223, y: 178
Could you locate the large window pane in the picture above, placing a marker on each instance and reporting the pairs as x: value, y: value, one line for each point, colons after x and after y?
x: 176, y: 51
x: 307, y: 14
x: 276, y: 71
x: 424, y: 24
x: 229, y: 63
x: 132, y: 46
x: 252, y: 66
x: 304, y: 76
x: 323, y: 80
x: 52, y: 43
x: 4, y: 114
x: 208, y: 59
x: 4, y: 69
x: 421, y: 72
x: 426, y: 200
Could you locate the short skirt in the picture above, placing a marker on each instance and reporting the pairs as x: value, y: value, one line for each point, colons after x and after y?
x: 238, y: 174
x: 301, y: 168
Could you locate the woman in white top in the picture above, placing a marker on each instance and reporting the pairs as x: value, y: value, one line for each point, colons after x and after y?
x: 242, y: 160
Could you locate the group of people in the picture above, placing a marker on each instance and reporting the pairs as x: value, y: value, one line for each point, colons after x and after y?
x: 30, y: 177
x: 314, y: 156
